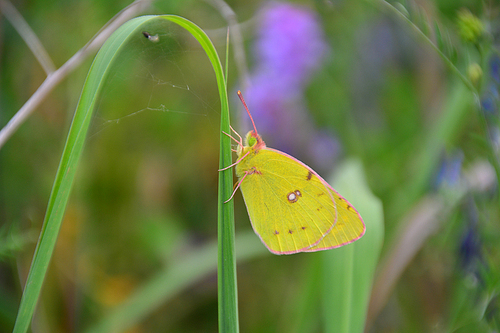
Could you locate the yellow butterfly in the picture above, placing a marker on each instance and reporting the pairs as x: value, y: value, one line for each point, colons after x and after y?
x: 291, y: 208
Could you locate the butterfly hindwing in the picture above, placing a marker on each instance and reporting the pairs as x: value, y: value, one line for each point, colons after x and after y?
x: 348, y: 228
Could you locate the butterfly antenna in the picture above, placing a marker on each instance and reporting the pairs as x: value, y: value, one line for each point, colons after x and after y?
x: 248, y: 111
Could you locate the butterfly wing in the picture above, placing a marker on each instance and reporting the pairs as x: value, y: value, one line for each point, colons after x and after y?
x: 292, y: 208
x: 348, y: 228
x: 289, y: 205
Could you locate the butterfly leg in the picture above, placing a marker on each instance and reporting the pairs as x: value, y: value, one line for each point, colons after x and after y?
x: 240, y: 142
x: 237, y: 161
x: 233, y: 150
x: 236, y: 187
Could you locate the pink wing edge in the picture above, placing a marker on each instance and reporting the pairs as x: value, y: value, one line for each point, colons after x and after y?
x: 311, y: 248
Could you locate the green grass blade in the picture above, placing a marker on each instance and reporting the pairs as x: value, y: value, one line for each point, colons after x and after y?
x: 455, y: 116
x: 227, y: 287
x: 73, y: 149
x: 348, y: 271
x: 65, y: 176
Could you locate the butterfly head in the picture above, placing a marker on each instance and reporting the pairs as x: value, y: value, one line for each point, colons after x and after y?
x: 253, y: 141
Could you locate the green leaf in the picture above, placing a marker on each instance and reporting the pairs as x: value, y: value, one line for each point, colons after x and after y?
x: 348, y: 271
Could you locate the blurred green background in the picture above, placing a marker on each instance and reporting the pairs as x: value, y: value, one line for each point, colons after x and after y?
x: 145, y: 196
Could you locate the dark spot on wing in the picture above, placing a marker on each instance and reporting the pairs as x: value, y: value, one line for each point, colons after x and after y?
x: 253, y: 170
x: 309, y: 175
x: 293, y: 196
x: 290, y: 231
x: 276, y: 232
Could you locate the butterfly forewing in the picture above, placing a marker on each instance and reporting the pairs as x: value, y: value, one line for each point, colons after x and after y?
x: 291, y: 208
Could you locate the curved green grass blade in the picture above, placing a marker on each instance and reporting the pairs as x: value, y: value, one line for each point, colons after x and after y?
x: 226, y: 274
x: 73, y: 149
x: 65, y: 175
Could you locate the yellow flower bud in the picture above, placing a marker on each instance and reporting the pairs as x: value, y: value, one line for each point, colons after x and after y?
x: 470, y: 26
x: 475, y: 73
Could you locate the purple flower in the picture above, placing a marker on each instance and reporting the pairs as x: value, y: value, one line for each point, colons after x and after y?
x: 488, y: 104
x: 470, y: 247
x: 290, y: 46
x: 451, y: 170
x: 494, y: 137
x: 277, y: 118
x: 495, y: 68
x: 490, y: 97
